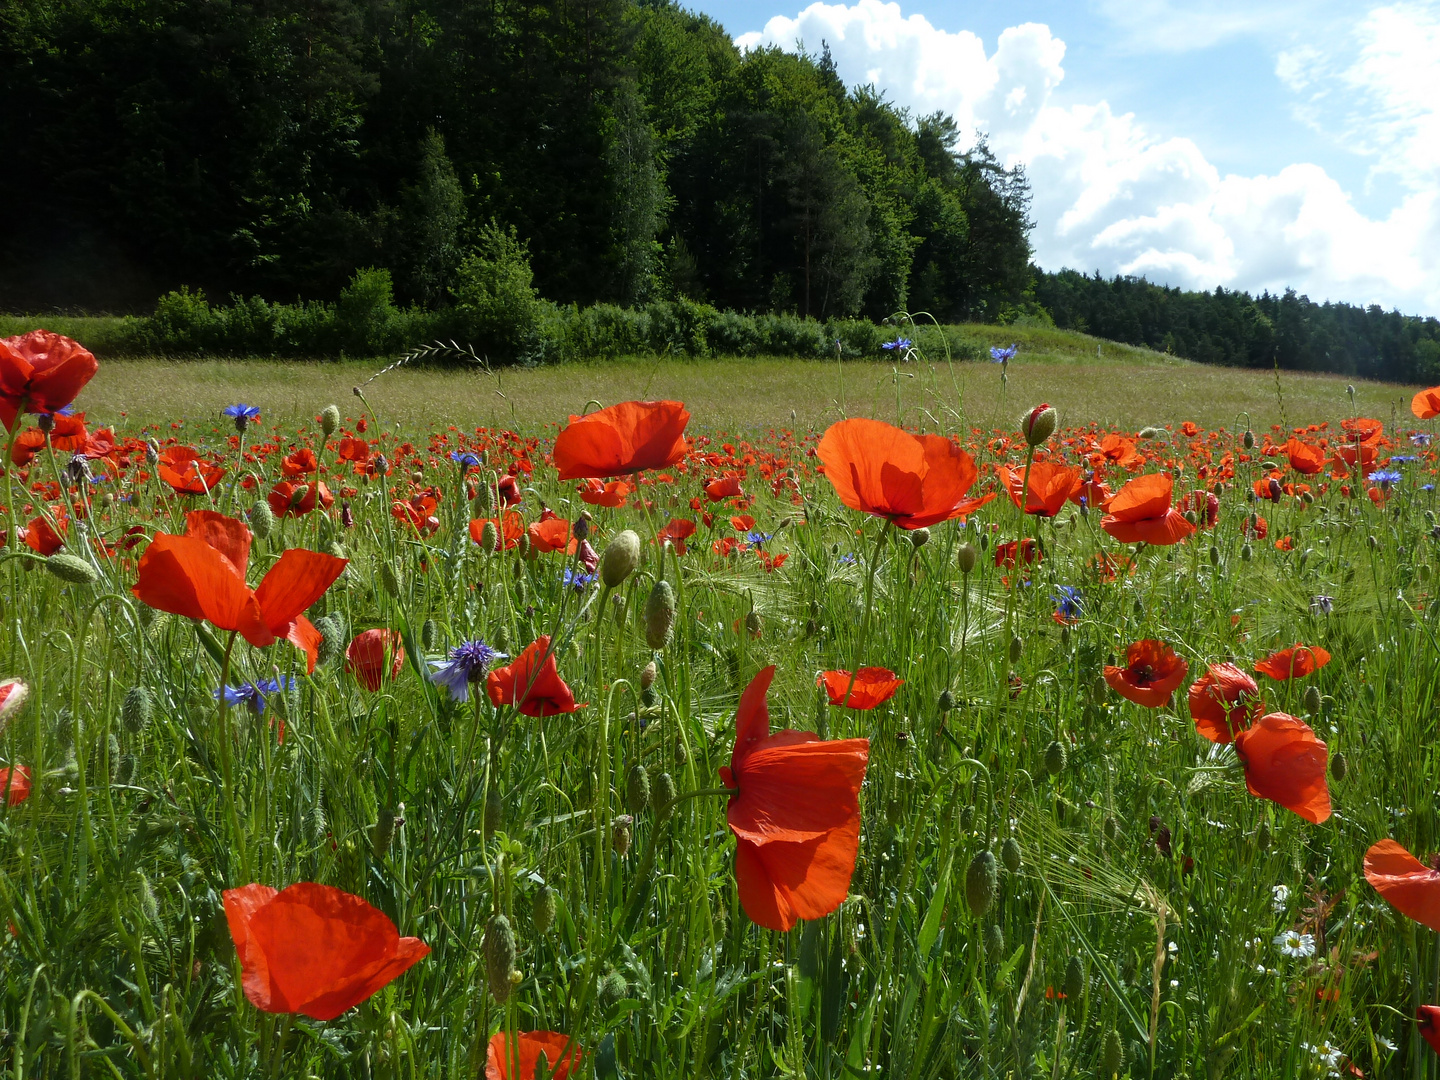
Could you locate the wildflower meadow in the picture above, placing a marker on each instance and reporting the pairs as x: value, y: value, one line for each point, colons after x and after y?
x: 628, y: 748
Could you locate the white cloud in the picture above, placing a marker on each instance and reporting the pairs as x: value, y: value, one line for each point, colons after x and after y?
x: 1112, y: 196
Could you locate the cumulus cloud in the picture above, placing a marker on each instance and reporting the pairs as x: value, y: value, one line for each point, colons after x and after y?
x: 1111, y: 195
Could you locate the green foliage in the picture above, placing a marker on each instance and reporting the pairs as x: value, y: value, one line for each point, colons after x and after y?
x: 496, y: 305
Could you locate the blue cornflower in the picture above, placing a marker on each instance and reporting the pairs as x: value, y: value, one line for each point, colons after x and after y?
x: 1003, y: 356
x: 469, y: 661
x: 1385, y: 476
x: 848, y: 559
x: 465, y: 459
x: 1069, y: 604
x: 1420, y: 439
x: 254, y: 694
x: 242, y: 415
x: 579, y: 581
x: 1402, y: 459
x: 1427, y: 487
x: 757, y: 538
x: 902, y: 343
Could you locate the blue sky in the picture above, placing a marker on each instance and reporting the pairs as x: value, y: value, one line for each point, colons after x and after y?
x: 1258, y: 144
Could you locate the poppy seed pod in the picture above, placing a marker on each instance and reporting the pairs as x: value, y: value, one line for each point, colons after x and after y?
x: 1055, y: 758
x: 994, y: 942
x: 262, y: 520
x: 136, y: 709
x: 918, y: 537
x: 1038, y: 424
x: 613, y: 989
x: 330, y: 420
x: 72, y: 568
x: 384, y: 832
x: 659, y: 614
x: 1010, y: 854
x: 982, y: 880
x: 1074, y: 980
x: 637, y: 789
x: 664, y: 795
x: 1112, y: 1055
x: 620, y: 558
x: 1339, y: 766
x: 967, y: 557
x: 499, y: 949
x: 542, y: 910
x: 1312, y: 699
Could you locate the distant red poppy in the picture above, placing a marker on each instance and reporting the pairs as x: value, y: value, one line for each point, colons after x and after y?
x: 611, y: 493
x: 66, y: 433
x: 1427, y: 1022
x: 1011, y: 552
x: 1285, y: 763
x: 15, y: 783
x: 1304, y: 458
x: 43, y: 538
x: 626, y: 438
x: 1151, y: 673
x: 1141, y: 512
x: 532, y: 1045
x: 873, y: 686
x: 314, y: 949
x: 187, y: 472
x: 726, y: 487
x: 677, y: 531
x: 201, y: 575
x: 795, y: 813
x: 375, y: 656
x: 1119, y: 449
x: 553, y: 534
x: 1426, y: 406
x: 356, y: 451
x: 1205, y: 506
x: 41, y: 372
x: 421, y: 511
x: 912, y: 480
x: 531, y: 683
x: 509, y: 528
x: 289, y: 499
x: 1293, y: 663
x: 508, y: 489
x: 301, y: 462
x: 1051, y: 486
x: 1223, y: 701
x: 1406, y: 884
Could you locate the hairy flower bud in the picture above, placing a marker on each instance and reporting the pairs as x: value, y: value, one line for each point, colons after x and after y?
x: 967, y: 557
x: 1248, y: 440
x: 1038, y: 424
x: 542, y: 910
x: 613, y: 989
x: 489, y: 538
x: 982, y: 879
x: 621, y: 557
x: 1262, y: 836
x: 919, y: 538
x: 1339, y: 766
x: 647, y: 676
x: 494, y: 812
x: 137, y: 708
x: 429, y: 635
x: 72, y: 568
x: 1312, y: 699
x: 330, y: 419
x: 663, y: 794
x: 659, y: 614
x: 1055, y: 758
x: 499, y: 948
x: 1074, y: 981
x: 994, y: 942
x: 637, y: 789
x: 262, y: 519
x: 620, y: 834
x: 1112, y: 1056
x: 946, y: 701
x: 384, y: 832
x: 1010, y: 854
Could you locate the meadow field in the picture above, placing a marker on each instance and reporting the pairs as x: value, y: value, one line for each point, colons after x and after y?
x: 1067, y: 717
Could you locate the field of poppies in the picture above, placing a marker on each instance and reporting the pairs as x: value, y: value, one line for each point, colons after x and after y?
x: 633, y: 750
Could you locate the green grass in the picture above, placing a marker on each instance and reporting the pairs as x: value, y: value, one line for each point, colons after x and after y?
x: 111, y: 874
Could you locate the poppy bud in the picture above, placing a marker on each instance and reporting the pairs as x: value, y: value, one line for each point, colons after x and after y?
x: 753, y: 623
x: 919, y: 538
x: 1214, y: 555
x: 1098, y: 686
x: 1017, y: 647
x: 994, y: 942
x: 542, y: 910
x: 1191, y: 517
x: 489, y: 538
x: 1248, y: 439
x: 1246, y: 552
x: 659, y: 614
x: 1112, y: 828
x: 125, y: 771
x: 262, y: 520
x: 494, y: 812
x: 499, y: 949
x: 946, y: 702
x: 621, y: 557
x: 1339, y: 766
x: 1307, y: 498
x: 1423, y: 571
x: 647, y: 676
x: 581, y: 528
x: 136, y: 709
x: 72, y: 568
x: 984, y: 541
x: 524, y: 549
x: 637, y: 789
x: 619, y: 603
x: 648, y: 697
x: 967, y: 557
x: 484, y: 498
x: 1312, y: 699
x: 1074, y: 980
x: 330, y: 419
x: 1262, y: 837
x: 613, y: 989
x: 1150, y: 433
x: 384, y: 832
x: 1112, y: 1056
x: 502, y: 636
x: 1055, y: 758
x: 331, y: 635
x: 429, y: 635
x: 681, y: 755
x: 319, y: 826
x: 664, y: 794
x: 620, y: 834
x: 1038, y: 424
x: 1010, y: 854
x: 967, y: 818
x: 982, y: 879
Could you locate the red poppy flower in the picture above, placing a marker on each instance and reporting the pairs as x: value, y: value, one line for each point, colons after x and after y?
x: 873, y: 686
x: 187, y: 472
x: 1363, y: 429
x: 532, y: 1044
x: 1118, y: 449
x: 1205, y: 505
x: 1407, y: 884
x: 355, y: 451
x: 1426, y: 405
x: 508, y: 489
x: 300, y: 463
x: 1141, y: 512
x: 201, y: 575
x: 677, y: 531
x: 727, y: 487
x: 531, y: 683
x: 1051, y: 486
x: 41, y: 372
x: 41, y: 537
x: 420, y: 511
x: 289, y: 499
x: 552, y: 534
x: 1427, y: 1021
x: 66, y: 433
x: 913, y: 480
x: 509, y: 528
x: 374, y: 656
x: 1304, y: 458
x: 626, y: 438
x: 15, y: 783
x: 611, y: 493
x: 1293, y: 663
x: 1285, y: 763
x: 1151, y: 673
x: 314, y: 949
x: 742, y: 523
x: 795, y: 813
x: 1011, y: 552
x: 1222, y: 701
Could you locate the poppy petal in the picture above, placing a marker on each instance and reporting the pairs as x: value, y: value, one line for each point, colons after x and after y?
x: 1407, y: 884
x: 781, y: 883
x: 186, y: 576
x: 795, y: 786
x: 226, y: 535
x: 1286, y: 763
x: 295, y: 582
